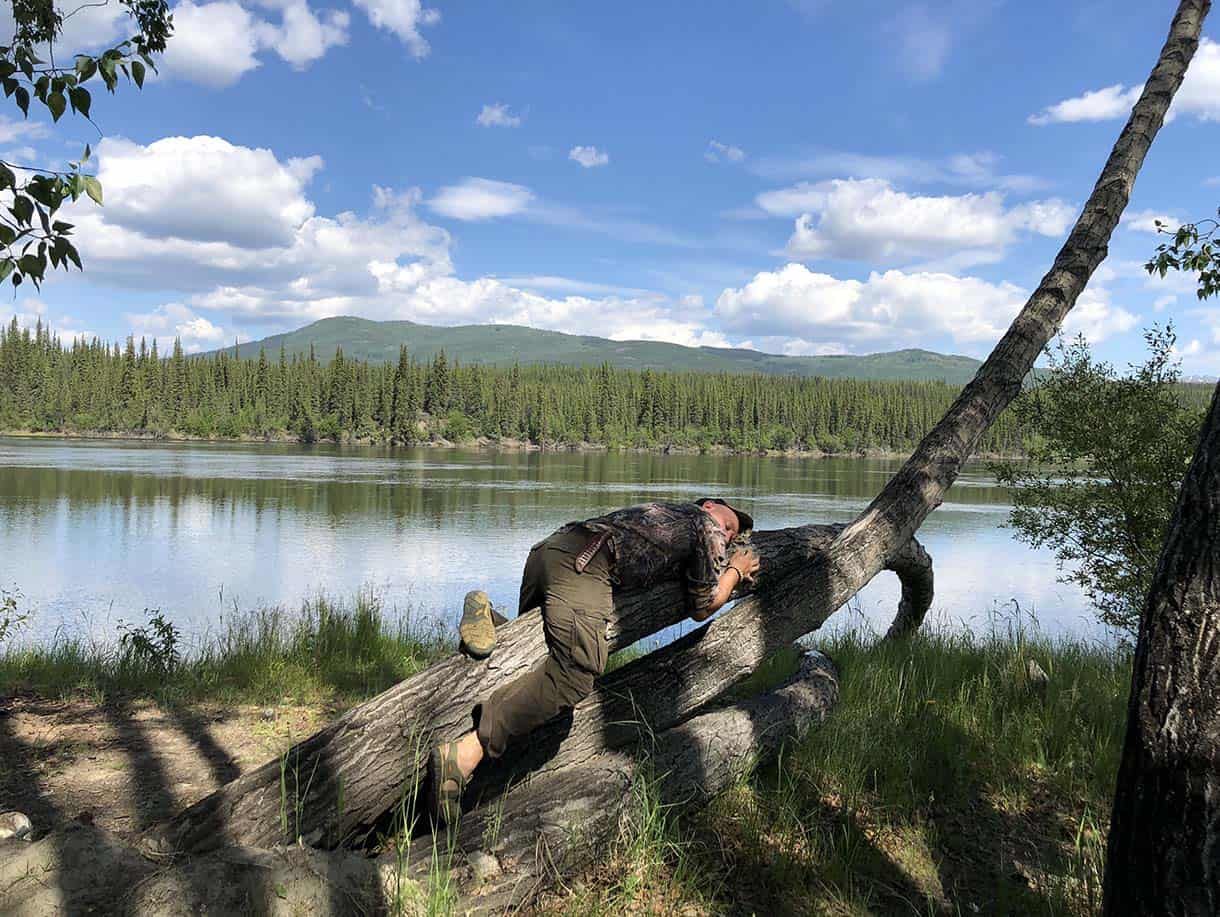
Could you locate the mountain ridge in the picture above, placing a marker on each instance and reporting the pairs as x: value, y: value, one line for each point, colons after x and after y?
x: 501, y: 345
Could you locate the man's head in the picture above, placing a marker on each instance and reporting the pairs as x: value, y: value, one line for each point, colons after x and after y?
x: 733, y: 521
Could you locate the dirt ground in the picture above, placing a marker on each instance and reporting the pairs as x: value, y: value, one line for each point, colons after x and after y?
x: 125, y: 766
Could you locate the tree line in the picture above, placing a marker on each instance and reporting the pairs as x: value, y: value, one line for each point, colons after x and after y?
x: 92, y: 386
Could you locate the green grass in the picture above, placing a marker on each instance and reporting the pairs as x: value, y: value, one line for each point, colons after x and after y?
x: 943, y: 782
x: 323, y: 652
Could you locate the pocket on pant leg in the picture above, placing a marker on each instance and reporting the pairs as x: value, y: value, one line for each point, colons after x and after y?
x: 589, y: 647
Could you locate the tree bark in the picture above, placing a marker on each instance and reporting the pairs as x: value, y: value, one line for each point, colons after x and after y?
x: 554, y: 826
x: 344, y: 778
x: 352, y: 770
x: 1164, y: 845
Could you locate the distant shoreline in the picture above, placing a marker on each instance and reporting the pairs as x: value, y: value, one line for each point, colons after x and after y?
x: 478, y: 444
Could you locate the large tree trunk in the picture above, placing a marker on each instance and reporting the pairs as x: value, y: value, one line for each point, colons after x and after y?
x: 353, y: 770
x: 1164, y: 849
x: 344, y: 778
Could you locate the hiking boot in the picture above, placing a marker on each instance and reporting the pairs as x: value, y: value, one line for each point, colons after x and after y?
x: 447, y: 784
x: 478, y: 627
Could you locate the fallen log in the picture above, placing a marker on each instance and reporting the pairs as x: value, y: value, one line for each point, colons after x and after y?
x: 342, y: 780
x: 502, y: 855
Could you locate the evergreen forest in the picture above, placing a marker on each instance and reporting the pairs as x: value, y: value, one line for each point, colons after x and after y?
x: 95, y: 387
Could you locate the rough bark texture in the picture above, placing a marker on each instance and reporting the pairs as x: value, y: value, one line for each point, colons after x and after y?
x: 356, y: 769
x: 1164, y: 850
x: 536, y: 830
x: 549, y: 827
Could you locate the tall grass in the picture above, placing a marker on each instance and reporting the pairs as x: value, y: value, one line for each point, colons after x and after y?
x: 325, y: 651
x: 946, y: 781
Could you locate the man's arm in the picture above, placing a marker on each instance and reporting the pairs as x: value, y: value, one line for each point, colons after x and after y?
x: 742, y: 566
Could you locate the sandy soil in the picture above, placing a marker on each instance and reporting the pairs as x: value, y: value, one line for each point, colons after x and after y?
x: 124, y: 766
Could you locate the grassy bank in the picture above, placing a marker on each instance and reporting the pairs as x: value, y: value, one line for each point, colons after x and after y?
x: 324, y: 652
x: 945, y: 782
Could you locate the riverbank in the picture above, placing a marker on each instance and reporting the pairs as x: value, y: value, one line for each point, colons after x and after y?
x: 483, y: 443
x: 945, y: 782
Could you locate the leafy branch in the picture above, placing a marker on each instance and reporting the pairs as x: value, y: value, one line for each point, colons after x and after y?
x: 31, y: 238
x: 1192, y: 247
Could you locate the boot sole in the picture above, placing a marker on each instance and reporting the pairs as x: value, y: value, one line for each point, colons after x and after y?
x: 476, y: 617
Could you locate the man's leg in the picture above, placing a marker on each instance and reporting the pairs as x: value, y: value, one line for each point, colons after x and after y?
x: 575, y: 608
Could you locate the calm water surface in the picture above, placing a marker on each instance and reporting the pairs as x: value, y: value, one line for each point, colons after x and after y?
x: 93, y: 532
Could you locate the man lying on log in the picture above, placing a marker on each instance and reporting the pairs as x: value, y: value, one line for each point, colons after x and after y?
x: 570, y: 575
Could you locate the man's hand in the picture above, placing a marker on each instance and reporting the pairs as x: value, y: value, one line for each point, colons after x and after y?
x: 745, y: 562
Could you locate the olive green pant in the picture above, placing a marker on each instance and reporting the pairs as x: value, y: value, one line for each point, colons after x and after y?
x: 575, y: 608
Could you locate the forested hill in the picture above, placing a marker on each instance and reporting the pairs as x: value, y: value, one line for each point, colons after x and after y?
x: 95, y: 387
x: 504, y: 345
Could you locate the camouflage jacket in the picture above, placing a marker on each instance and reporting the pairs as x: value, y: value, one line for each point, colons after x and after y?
x: 664, y: 541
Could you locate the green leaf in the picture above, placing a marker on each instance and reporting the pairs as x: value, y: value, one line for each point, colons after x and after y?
x: 8, y: 236
x: 7, y: 178
x: 23, y: 99
x: 137, y: 73
x: 6, y: 267
x: 29, y: 265
x: 85, y: 67
x: 73, y: 255
x: 23, y: 209
x: 106, y: 66
x: 58, y: 104
x: 81, y: 100
x: 93, y: 188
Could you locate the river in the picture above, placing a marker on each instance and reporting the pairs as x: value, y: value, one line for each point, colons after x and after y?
x: 92, y: 532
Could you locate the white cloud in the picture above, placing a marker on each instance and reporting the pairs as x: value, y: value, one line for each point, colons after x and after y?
x: 869, y: 220
x: 1161, y: 303
x: 30, y: 312
x: 1146, y: 220
x: 215, y: 44
x: 890, y: 309
x: 481, y: 199
x: 717, y: 151
x: 1096, y: 105
x: 497, y: 115
x: 972, y: 170
x: 1198, y: 96
x: 1213, y: 182
x: 1096, y: 318
x: 205, y: 189
x: 301, y: 266
x: 818, y: 313
x: 923, y: 41
x: 302, y: 36
x: 174, y: 320
x: 403, y: 18
x: 12, y: 130
x: 588, y: 156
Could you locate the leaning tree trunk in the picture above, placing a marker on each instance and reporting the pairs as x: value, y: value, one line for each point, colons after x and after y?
x: 353, y: 770
x: 1164, y: 848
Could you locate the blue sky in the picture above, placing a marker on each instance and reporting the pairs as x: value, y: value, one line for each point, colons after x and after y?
x: 799, y: 176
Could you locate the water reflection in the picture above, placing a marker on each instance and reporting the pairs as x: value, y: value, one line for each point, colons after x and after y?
x: 95, y: 530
